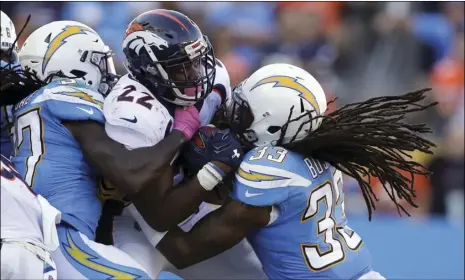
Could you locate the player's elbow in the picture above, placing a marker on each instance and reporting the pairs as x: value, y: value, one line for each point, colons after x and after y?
x: 178, y: 257
x: 129, y: 184
x: 140, y: 177
x: 135, y: 179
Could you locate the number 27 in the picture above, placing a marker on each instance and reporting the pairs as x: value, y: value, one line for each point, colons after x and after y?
x: 144, y: 100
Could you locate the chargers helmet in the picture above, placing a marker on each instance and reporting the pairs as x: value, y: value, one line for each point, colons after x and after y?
x: 71, y: 49
x: 8, y: 39
x: 167, y: 53
x: 264, y: 103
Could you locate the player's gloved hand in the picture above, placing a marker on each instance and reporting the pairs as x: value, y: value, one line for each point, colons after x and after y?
x: 225, y: 156
x: 226, y: 148
x: 218, y: 154
x: 212, y: 145
x: 186, y: 120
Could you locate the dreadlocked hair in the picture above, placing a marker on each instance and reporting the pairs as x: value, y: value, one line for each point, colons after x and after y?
x: 16, y: 84
x: 371, y: 139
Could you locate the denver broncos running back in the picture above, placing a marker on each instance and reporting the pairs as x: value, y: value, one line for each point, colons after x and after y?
x: 139, y: 112
x: 287, y: 194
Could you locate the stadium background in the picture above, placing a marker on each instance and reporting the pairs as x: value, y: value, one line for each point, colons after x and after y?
x: 356, y: 50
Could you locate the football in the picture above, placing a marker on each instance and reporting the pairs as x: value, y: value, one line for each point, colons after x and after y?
x: 195, y: 154
x: 206, y: 130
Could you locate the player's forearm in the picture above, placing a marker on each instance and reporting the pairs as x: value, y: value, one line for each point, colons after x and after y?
x: 129, y: 170
x: 148, y: 166
x: 215, y: 233
x: 180, y: 202
x: 204, y: 241
x: 176, y: 249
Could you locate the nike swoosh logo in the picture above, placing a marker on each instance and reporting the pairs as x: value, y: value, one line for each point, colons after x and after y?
x: 134, y: 120
x: 247, y: 194
x: 88, y: 111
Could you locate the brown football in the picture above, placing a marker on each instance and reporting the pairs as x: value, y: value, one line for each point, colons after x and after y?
x: 208, y: 130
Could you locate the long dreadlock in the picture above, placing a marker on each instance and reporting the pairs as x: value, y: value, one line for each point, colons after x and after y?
x: 371, y: 139
x: 16, y: 84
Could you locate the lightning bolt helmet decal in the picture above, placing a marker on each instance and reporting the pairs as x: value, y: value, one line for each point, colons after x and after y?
x: 292, y: 83
x: 60, y: 39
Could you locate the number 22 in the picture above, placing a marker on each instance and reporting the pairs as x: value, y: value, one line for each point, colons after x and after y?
x: 144, y: 100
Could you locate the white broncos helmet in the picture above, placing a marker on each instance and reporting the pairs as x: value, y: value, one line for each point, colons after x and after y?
x: 8, y: 37
x: 72, y: 49
x: 261, y: 105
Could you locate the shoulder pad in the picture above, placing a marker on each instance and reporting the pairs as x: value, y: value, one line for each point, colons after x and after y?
x: 69, y: 100
x: 222, y: 75
x: 217, y: 96
x: 134, y: 117
x: 265, y: 175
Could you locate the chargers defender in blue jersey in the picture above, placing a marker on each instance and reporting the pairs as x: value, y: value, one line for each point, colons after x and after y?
x: 287, y: 195
x: 48, y: 155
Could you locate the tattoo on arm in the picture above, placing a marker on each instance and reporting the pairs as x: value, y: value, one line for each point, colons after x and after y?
x: 215, y: 233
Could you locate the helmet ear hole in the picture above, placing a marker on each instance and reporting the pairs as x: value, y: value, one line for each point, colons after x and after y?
x: 273, y: 129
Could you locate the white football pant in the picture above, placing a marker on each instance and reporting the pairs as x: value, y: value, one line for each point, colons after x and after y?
x: 239, y: 262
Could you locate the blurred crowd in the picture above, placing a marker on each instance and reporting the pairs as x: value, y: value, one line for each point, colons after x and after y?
x: 356, y: 50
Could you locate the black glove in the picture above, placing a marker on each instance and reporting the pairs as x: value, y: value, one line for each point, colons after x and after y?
x: 220, y: 146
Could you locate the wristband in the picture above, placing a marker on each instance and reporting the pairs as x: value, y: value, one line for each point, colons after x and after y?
x: 209, y: 176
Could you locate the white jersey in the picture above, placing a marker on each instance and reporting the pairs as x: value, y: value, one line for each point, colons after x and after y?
x: 134, y: 117
x: 25, y: 216
x: 137, y: 124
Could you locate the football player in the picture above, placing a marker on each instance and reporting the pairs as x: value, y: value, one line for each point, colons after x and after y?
x: 287, y: 196
x: 53, y: 152
x: 8, y: 60
x: 171, y: 64
x: 28, y: 229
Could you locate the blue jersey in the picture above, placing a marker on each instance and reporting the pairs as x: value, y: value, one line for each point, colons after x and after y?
x: 49, y: 158
x: 308, y: 236
x: 5, y: 135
